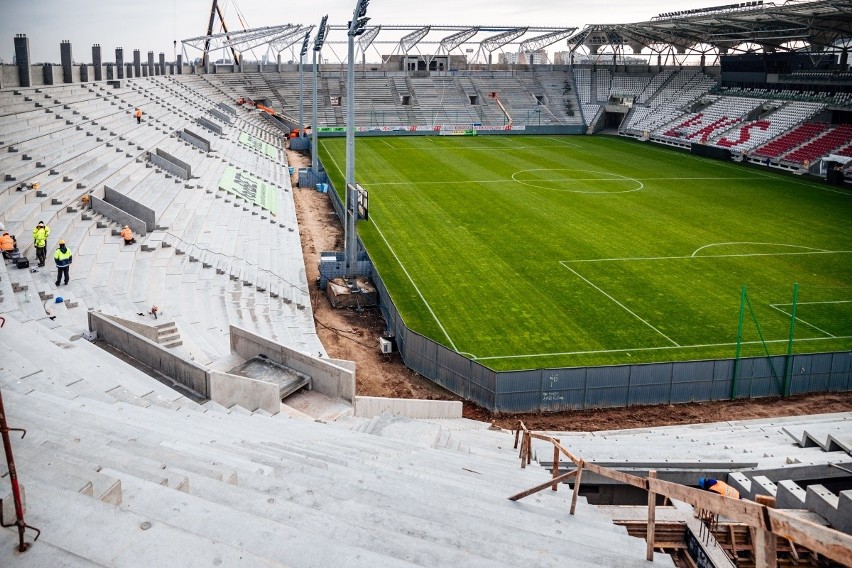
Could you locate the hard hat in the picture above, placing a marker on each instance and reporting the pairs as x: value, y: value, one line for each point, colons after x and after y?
x: 61, y: 242
x: 41, y: 222
x: 126, y: 227
x: 701, y: 482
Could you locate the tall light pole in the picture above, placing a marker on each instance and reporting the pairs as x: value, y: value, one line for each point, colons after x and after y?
x: 318, y: 41
x: 302, y: 83
x: 356, y: 28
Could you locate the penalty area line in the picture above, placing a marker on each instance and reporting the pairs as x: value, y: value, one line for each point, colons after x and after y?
x: 625, y: 308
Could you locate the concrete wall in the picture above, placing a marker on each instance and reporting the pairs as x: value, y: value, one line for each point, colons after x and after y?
x: 142, y: 329
x: 171, y: 164
x: 326, y: 377
x: 251, y: 394
x: 131, y: 207
x: 195, y: 139
x: 159, y: 358
x: 370, y: 406
x: 119, y: 216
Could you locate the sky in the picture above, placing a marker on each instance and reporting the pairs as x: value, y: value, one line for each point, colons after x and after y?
x: 153, y: 25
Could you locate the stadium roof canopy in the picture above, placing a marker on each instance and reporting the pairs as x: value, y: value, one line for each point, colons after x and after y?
x: 742, y: 27
x: 425, y: 40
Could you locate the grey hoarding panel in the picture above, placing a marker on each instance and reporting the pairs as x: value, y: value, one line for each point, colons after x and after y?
x: 653, y: 374
x: 556, y: 379
x: 721, y: 389
x: 723, y: 369
x: 692, y: 371
x: 691, y: 392
x: 519, y: 381
x: 648, y: 394
x: 841, y: 371
x: 481, y: 396
x: 608, y: 376
x: 573, y: 378
x: 605, y: 397
x: 483, y: 376
x: 560, y: 400
x: 518, y: 401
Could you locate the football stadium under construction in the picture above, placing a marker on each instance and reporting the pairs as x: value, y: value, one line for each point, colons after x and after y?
x: 547, y: 219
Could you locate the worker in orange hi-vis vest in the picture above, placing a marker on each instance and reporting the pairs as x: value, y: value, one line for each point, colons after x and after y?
x: 138, y: 114
x: 127, y: 234
x: 719, y: 487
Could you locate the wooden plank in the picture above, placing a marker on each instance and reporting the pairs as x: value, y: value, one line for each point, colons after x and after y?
x: 545, y: 485
x: 765, y: 544
x: 555, y: 463
x: 622, y: 477
x: 577, y: 486
x: 746, y: 512
x: 652, y: 520
x: 823, y: 540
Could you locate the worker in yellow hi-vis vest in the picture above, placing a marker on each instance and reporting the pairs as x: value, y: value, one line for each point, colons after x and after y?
x: 63, y: 260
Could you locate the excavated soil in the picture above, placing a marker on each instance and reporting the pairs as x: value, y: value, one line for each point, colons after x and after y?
x: 353, y: 335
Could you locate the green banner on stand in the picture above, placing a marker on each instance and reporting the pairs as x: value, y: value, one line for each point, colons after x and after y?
x: 250, y: 188
x: 259, y: 145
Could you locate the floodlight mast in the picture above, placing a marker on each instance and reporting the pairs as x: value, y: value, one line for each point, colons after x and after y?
x: 357, y: 26
x: 302, y: 82
x: 318, y: 41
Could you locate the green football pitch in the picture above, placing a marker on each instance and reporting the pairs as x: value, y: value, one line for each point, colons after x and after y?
x: 525, y: 252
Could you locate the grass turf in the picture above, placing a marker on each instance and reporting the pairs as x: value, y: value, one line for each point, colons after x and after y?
x: 536, y: 252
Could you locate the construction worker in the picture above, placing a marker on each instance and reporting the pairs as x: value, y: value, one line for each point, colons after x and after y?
x: 7, y: 244
x: 138, y: 114
x: 40, y: 234
x: 63, y: 260
x: 720, y: 487
x: 127, y: 235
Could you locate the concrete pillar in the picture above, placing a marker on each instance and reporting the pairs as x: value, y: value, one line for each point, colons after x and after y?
x: 65, y: 57
x: 137, y: 63
x: 180, y: 64
x: 84, y: 73
x: 844, y: 59
x: 162, y: 64
x: 150, y: 64
x: 22, y: 59
x: 145, y: 71
x: 119, y: 62
x: 47, y: 72
x: 128, y: 70
x: 110, y: 75
x: 703, y: 59
x: 96, y: 61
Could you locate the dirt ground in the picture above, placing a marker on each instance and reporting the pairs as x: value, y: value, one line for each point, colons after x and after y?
x: 353, y: 335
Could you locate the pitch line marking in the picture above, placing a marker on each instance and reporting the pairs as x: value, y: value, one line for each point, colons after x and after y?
x: 450, y: 182
x: 419, y: 293
x: 386, y: 142
x: 811, y: 303
x: 625, y: 308
x: 744, y: 255
x: 699, y: 249
x: 661, y: 348
x: 614, y: 177
x: 800, y: 320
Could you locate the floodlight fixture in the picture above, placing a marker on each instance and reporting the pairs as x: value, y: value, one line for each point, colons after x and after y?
x: 358, y: 23
x: 322, y: 31
x: 305, y: 44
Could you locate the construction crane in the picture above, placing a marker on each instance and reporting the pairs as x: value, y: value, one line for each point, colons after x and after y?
x: 214, y: 9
